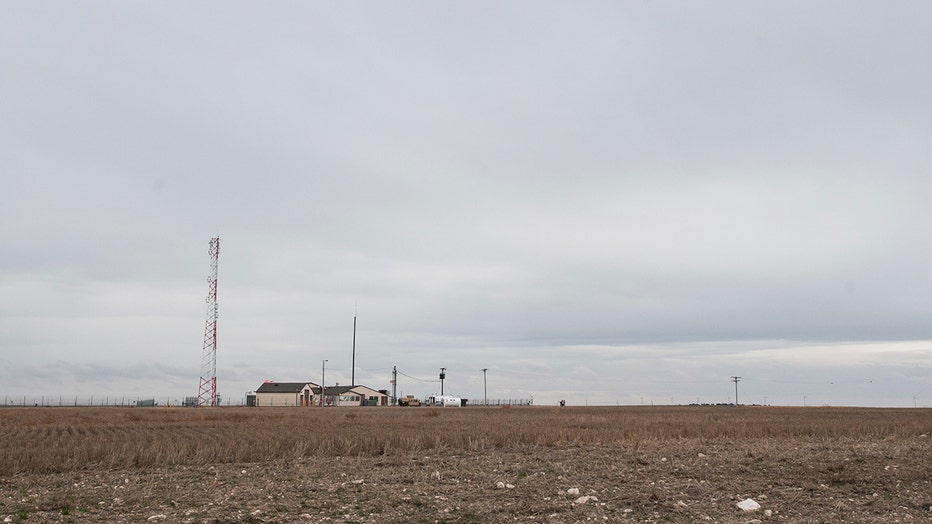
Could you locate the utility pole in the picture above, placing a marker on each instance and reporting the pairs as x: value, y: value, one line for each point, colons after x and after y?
x: 394, y: 385
x: 323, y: 381
x: 485, y: 387
x: 443, y: 375
x: 735, y: 380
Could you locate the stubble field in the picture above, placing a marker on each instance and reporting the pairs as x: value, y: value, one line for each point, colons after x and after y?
x: 528, y: 464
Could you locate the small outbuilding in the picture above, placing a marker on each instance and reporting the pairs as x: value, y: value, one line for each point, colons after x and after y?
x: 353, y: 396
x: 289, y: 394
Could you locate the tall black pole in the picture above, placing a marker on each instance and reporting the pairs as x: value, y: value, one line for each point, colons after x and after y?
x: 353, y: 374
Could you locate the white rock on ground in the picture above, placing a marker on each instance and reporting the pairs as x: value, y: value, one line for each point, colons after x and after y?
x: 572, y: 491
x: 500, y: 485
x: 748, y: 505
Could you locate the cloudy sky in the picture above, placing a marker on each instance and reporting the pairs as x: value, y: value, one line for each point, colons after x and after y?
x: 603, y: 202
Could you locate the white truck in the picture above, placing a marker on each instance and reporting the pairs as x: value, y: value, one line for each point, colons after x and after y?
x: 444, y: 401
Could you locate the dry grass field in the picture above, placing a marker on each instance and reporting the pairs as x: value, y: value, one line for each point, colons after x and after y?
x: 345, y: 465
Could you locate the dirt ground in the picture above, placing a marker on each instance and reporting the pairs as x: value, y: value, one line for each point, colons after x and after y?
x: 688, y: 480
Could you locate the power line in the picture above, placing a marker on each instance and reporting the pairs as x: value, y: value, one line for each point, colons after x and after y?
x: 415, y: 378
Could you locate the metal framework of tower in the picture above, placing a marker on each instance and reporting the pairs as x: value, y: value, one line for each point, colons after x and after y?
x: 207, y: 391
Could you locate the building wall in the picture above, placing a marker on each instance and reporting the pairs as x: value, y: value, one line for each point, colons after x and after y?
x: 368, y: 395
x: 290, y: 399
x: 349, y: 398
x: 358, y: 396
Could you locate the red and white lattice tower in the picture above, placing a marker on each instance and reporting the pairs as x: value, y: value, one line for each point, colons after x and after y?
x: 207, y: 391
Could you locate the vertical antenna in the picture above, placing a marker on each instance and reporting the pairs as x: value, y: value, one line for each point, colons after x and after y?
x: 207, y: 390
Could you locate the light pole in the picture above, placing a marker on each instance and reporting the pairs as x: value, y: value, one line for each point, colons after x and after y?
x: 485, y: 388
x: 443, y: 375
x: 323, y: 381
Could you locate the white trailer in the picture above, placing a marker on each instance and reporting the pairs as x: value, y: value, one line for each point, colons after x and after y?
x: 444, y: 401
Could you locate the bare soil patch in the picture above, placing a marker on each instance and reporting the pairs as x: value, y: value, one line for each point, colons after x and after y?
x: 345, y: 465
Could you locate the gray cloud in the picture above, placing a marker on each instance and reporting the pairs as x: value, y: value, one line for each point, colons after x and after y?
x: 543, y: 188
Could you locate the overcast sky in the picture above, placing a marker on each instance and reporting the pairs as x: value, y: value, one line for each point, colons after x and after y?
x: 603, y: 202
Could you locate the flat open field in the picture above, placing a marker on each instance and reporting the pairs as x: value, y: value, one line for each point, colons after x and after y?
x: 344, y: 465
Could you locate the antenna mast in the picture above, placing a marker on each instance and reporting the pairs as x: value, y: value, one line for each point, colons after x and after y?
x: 207, y: 391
